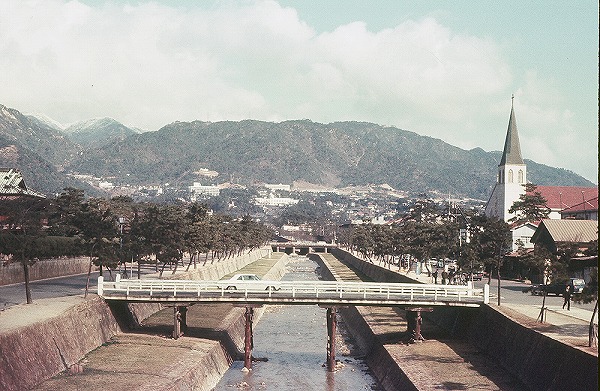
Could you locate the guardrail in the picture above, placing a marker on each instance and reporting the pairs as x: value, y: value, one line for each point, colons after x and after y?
x: 288, y: 291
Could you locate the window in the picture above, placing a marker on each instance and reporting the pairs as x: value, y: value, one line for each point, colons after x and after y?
x: 510, y: 176
x: 520, y: 176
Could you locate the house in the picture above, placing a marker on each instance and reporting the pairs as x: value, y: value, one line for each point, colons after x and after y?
x: 560, y: 198
x: 587, y: 210
x: 522, y: 234
x: 554, y: 233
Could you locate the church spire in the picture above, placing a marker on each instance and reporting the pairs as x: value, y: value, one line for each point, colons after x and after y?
x: 512, y: 147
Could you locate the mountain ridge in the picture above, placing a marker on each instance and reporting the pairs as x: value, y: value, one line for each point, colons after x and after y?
x: 247, y: 152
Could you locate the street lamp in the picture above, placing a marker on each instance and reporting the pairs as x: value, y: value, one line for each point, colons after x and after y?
x: 121, y: 221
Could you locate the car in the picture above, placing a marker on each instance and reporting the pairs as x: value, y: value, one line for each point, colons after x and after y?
x: 251, y: 282
x: 558, y: 288
x: 477, y: 276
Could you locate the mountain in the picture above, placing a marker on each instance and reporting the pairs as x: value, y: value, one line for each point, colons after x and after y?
x: 98, y: 132
x: 38, y: 150
x: 36, y: 136
x: 335, y: 154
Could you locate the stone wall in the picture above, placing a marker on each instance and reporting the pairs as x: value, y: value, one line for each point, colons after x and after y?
x: 12, y: 273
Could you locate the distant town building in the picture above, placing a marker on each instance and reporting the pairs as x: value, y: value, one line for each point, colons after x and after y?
x: 197, y: 190
x: 271, y: 200
x: 279, y: 186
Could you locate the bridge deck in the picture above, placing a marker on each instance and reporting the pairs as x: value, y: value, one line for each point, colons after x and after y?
x: 292, y: 292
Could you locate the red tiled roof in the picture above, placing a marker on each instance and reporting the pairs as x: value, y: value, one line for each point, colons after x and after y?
x: 562, y: 197
x: 590, y: 205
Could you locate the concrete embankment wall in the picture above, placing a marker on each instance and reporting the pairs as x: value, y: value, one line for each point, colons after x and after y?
x: 538, y: 361
x: 38, y: 351
x: 44, y: 268
x: 541, y: 362
x: 374, y: 272
x: 356, y: 319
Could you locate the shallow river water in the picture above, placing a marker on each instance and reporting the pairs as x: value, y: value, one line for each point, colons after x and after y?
x: 292, y: 341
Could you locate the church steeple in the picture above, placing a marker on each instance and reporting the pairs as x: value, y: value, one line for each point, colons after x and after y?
x: 512, y: 146
x: 512, y: 174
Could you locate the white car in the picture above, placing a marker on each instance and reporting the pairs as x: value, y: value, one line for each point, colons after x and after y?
x: 251, y: 282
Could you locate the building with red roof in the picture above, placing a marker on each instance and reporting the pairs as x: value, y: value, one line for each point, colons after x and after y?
x: 561, y: 198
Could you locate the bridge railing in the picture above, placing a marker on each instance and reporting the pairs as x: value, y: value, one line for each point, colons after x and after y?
x: 291, y: 290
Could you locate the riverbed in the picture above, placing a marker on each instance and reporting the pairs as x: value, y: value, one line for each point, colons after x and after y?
x: 290, y: 349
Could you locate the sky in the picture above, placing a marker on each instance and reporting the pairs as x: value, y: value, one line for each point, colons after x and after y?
x: 444, y: 69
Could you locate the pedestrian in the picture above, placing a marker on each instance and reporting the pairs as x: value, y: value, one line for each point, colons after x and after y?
x: 444, y: 277
x: 567, y: 297
x: 435, y: 275
x: 451, y: 277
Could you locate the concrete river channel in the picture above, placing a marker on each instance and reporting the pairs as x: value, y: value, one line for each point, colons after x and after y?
x: 290, y: 349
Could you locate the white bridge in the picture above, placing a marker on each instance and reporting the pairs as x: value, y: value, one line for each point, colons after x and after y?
x: 324, y: 293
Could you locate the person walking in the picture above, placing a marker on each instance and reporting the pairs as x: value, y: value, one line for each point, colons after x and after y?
x: 444, y: 277
x: 435, y: 276
x: 567, y: 297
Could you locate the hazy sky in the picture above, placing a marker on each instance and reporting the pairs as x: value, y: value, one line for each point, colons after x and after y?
x: 445, y: 69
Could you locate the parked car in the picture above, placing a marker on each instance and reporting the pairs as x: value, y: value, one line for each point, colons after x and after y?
x: 477, y: 276
x: 558, y: 288
x: 251, y: 281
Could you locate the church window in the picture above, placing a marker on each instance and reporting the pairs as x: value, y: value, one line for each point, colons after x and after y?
x: 510, y: 176
x: 520, y: 176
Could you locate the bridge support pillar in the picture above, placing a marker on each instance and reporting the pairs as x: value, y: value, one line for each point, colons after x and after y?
x: 331, y: 327
x: 179, y: 321
x: 248, y: 338
x: 414, y: 320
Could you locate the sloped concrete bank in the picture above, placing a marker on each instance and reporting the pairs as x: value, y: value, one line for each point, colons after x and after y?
x: 34, y: 352
x: 536, y: 360
x: 377, y: 357
x: 37, y: 346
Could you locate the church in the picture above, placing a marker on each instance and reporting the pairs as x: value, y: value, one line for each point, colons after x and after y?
x: 564, y: 201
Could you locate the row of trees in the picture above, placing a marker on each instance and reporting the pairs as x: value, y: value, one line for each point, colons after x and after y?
x: 115, y: 231
x: 429, y: 232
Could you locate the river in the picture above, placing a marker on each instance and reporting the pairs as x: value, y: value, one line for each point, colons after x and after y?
x: 290, y: 349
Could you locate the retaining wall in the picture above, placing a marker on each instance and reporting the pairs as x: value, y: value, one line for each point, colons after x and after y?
x: 44, y: 268
x: 376, y: 356
x: 541, y: 362
x: 38, y: 351
x: 538, y: 361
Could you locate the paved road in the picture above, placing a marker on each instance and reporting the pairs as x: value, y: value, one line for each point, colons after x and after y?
x: 14, y: 294
x: 512, y: 292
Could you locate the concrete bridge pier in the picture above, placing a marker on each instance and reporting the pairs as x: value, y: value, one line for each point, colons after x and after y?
x: 331, y: 328
x: 414, y: 321
x: 248, y: 338
x: 179, y: 321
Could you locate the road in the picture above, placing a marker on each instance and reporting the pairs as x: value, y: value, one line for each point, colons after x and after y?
x: 512, y: 292
x: 14, y: 294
